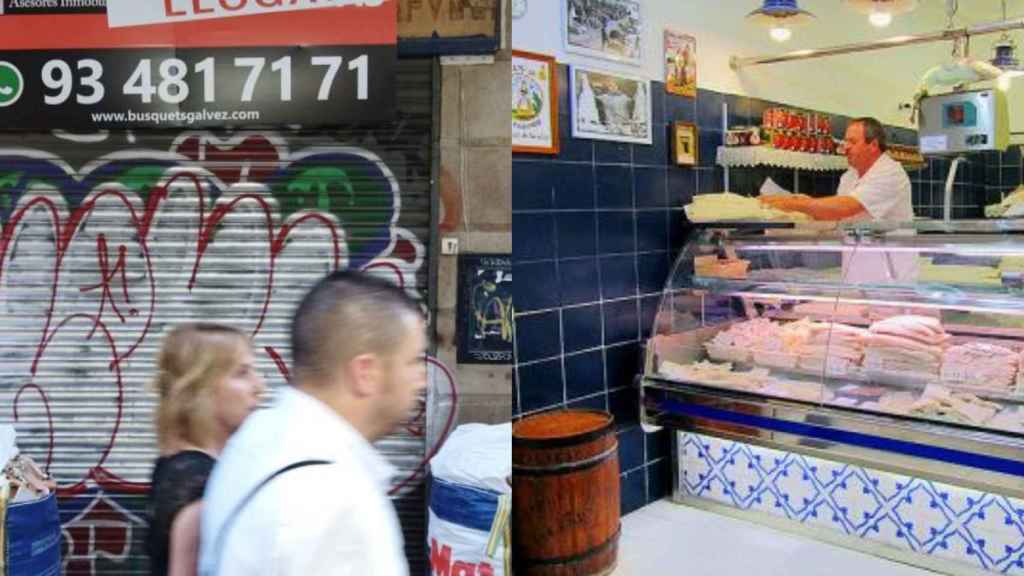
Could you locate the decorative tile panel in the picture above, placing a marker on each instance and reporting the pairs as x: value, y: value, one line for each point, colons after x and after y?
x: 979, y: 529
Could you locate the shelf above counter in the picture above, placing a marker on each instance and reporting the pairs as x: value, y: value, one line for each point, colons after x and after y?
x: 750, y: 156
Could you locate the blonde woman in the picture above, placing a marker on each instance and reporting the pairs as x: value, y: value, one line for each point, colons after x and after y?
x: 207, y: 385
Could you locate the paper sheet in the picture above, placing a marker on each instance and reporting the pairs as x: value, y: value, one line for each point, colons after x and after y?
x: 770, y: 188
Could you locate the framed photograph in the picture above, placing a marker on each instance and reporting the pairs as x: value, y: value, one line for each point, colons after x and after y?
x: 484, y: 310
x: 534, y: 103
x: 680, y: 64
x: 685, y: 144
x: 611, y: 29
x: 610, y: 106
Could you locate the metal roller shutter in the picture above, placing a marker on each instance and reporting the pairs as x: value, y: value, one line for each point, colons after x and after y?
x: 110, y: 238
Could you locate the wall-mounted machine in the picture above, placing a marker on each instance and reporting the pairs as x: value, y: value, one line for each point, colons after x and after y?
x: 964, y: 122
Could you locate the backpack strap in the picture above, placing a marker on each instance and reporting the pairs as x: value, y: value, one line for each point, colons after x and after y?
x: 220, y: 541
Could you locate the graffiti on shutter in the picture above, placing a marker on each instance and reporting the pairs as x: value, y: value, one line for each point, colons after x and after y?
x: 102, y: 252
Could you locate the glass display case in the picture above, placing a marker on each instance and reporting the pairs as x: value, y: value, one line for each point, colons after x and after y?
x: 897, y: 345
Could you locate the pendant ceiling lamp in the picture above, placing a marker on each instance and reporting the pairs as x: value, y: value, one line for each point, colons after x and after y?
x: 780, y: 17
x: 881, y: 12
x: 1004, y: 57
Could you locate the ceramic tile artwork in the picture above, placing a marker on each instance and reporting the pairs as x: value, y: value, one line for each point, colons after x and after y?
x: 979, y: 529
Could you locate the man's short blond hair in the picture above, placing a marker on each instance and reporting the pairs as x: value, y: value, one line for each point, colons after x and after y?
x: 346, y: 314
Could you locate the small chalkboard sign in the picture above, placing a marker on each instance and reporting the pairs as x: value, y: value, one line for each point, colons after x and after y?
x: 484, y: 313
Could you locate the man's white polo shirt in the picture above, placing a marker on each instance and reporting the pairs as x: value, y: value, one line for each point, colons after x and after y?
x: 326, y: 519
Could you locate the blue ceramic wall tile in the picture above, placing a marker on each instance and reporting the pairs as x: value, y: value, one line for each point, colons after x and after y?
x: 538, y: 336
x: 581, y: 327
x: 739, y: 109
x: 658, y: 96
x: 648, y: 312
x: 573, y: 185
x: 649, y: 186
x: 652, y: 271
x: 678, y: 230
x: 655, y: 153
x: 915, y: 193
x: 622, y: 404
x: 707, y: 152
x: 991, y: 175
x: 531, y: 185
x: 1009, y: 176
x: 622, y: 363
x: 606, y: 152
x: 537, y: 288
x: 682, y: 185
x: 598, y: 402
x: 572, y: 149
x: 577, y: 234
x: 631, y: 448
x: 618, y: 276
x: 1011, y: 156
x: 659, y: 445
x: 540, y: 385
x: 584, y: 374
x: 563, y: 87
x: 515, y: 394
x: 533, y: 237
x: 709, y: 110
x: 652, y: 230
x: 839, y: 126
x: 633, y: 491
x: 707, y: 181
x: 615, y: 232
x: 614, y: 187
x: 578, y: 281
x: 680, y: 109
x: 659, y: 481
x: 755, y: 110
x: 621, y: 323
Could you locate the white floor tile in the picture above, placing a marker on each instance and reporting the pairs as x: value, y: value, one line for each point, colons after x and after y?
x: 666, y: 538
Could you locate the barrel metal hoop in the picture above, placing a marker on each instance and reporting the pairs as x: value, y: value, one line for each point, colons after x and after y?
x: 577, y: 558
x: 565, y: 467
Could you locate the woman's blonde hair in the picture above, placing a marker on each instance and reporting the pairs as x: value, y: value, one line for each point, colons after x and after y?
x: 192, y: 359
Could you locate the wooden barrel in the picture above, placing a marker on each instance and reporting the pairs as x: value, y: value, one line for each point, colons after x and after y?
x: 565, y: 486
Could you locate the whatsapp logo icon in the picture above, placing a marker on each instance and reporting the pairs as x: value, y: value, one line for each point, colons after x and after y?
x: 11, y: 84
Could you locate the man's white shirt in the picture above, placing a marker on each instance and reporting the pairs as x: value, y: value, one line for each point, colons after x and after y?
x: 885, y: 193
x: 323, y: 519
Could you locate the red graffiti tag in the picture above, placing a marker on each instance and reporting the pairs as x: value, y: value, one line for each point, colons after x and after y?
x: 65, y: 231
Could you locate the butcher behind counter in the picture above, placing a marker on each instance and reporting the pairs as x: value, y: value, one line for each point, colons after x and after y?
x: 875, y: 188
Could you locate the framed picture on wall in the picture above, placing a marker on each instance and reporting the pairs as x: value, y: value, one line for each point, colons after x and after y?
x: 685, y: 144
x: 534, y: 103
x: 610, y: 106
x: 484, y: 311
x: 680, y: 64
x: 611, y: 29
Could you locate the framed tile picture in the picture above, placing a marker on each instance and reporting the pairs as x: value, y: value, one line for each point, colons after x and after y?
x: 610, y: 106
x: 610, y: 29
x: 484, y: 311
x: 534, y: 103
x: 685, y: 144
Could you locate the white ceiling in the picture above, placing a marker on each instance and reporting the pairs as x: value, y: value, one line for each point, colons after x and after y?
x: 839, y: 24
